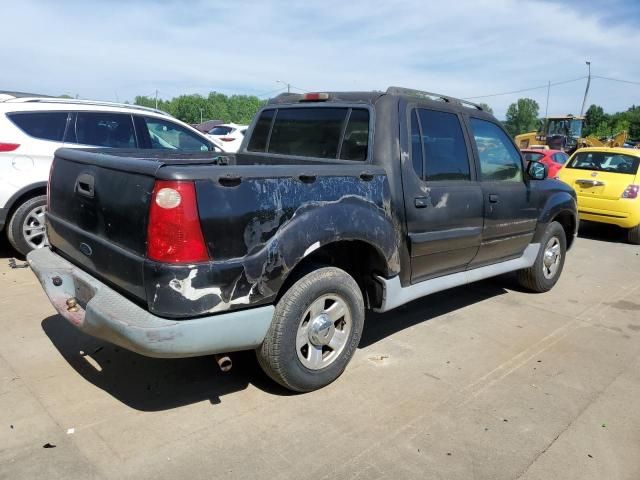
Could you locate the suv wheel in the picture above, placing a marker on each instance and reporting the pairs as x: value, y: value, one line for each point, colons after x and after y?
x: 315, y: 330
x: 26, y: 227
x: 546, y: 270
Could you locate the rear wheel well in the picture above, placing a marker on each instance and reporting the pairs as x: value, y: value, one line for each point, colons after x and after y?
x: 568, y: 222
x: 15, y: 203
x: 359, y: 259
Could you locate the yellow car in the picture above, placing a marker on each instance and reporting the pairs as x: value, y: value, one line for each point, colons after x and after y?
x: 607, y: 182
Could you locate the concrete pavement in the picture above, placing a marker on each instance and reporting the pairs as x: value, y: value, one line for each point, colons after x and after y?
x: 482, y: 382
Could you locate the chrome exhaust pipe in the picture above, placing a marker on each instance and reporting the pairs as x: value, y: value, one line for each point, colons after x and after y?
x: 224, y: 362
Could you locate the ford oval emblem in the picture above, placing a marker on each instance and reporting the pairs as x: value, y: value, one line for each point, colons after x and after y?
x: 86, y: 249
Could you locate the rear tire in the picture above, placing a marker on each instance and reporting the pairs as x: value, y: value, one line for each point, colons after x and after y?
x: 634, y: 235
x: 315, y: 330
x: 546, y: 270
x: 26, y: 230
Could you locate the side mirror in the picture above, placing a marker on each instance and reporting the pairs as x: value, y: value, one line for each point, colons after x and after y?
x: 537, y: 170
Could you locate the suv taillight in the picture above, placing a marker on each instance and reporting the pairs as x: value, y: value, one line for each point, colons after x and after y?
x: 8, y: 147
x: 631, y: 191
x: 174, y: 234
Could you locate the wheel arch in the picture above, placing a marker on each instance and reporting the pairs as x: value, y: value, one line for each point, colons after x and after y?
x: 359, y: 258
x: 25, y: 193
x: 562, y: 208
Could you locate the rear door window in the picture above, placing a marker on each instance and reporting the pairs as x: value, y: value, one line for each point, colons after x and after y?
x: 42, y: 125
x: 104, y: 129
x: 443, y: 146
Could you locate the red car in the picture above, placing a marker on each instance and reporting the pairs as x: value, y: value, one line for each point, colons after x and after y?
x: 553, y: 159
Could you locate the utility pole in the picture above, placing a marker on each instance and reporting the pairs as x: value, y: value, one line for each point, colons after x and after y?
x: 156, y: 98
x: 546, y: 109
x: 586, y: 91
x: 285, y: 83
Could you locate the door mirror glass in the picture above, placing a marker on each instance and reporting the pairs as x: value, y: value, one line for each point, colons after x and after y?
x: 537, y: 170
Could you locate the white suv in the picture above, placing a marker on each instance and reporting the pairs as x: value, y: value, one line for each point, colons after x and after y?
x: 228, y: 136
x: 32, y: 128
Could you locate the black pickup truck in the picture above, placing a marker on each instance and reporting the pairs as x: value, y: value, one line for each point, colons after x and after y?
x: 336, y: 203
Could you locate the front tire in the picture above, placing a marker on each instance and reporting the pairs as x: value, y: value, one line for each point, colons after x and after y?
x: 26, y: 229
x: 545, y: 272
x: 315, y: 330
x: 634, y: 235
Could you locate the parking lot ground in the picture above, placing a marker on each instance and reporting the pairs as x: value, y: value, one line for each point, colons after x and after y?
x: 484, y: 382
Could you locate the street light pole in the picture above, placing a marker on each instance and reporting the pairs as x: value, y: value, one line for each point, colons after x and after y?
x: 586, y: 91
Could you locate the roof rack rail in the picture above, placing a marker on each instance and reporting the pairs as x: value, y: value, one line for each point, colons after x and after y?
x: 76, y: 101
x: 438, y: 97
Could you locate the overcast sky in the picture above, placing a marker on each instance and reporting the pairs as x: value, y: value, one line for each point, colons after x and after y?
x: 114, y: 50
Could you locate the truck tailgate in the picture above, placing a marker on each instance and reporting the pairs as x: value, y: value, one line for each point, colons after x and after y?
x: 97, y: 215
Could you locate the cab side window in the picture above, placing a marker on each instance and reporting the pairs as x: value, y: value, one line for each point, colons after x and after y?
x: 164, y: 135
x: 499, y: 159
x: 438, y: 148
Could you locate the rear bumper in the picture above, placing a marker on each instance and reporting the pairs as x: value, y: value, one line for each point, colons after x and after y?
x: 106, y: 314
x: 626, y: 215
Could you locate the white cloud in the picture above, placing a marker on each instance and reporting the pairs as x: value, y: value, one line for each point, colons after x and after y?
x: 462, y: 48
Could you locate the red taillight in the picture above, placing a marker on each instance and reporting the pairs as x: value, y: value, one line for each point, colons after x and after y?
x: 227, y: 139
x: 8, y: 147
x: 174, y: 234
x: 631, y: 191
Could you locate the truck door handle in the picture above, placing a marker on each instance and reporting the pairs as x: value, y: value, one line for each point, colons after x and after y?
x: 421, y: 202
x: 493, y: 198
x: 85, y: 185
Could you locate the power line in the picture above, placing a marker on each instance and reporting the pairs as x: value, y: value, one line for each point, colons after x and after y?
x: 616, y: 80
x: 526, y: 89
x: 270, y: 92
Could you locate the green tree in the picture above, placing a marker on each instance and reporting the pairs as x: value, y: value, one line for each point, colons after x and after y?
x: 216, y: 106
x: 594, y: 119
x: 522, y: 116
x: 486, y: 107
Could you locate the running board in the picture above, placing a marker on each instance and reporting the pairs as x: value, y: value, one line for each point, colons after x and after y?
x: 394, y: 294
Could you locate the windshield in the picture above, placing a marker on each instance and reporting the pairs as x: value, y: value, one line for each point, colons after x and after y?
x: 576, y: 128
x: 605, y: 162
x: 565, y: 127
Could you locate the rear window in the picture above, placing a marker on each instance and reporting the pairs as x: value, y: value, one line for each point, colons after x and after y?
x: 42, y: 125
x: 220, y: 130
x: 318, y: 132
x: 532, y: 157
x: 605, y: 162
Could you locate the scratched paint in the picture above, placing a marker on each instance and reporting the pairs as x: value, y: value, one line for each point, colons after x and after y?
x: 282, y: 220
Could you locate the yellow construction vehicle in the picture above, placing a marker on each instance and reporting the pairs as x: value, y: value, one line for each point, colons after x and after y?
x: 565, y: 133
